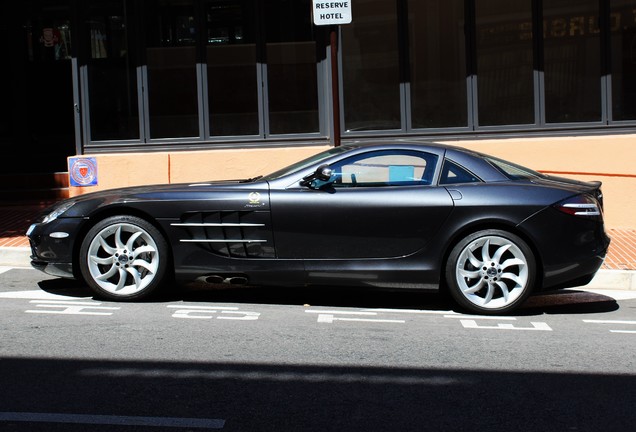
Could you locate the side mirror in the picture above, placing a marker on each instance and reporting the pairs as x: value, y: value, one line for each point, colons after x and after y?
x: 323, y: 173
x: 317, y: 179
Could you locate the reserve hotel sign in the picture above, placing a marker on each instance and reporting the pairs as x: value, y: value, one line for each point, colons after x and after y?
x: 331, y: 12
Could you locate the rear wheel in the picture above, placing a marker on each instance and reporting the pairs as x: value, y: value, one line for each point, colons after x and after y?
x: 123, y: 258
x: 490, y: 272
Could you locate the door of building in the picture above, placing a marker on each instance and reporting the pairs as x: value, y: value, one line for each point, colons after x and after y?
x: 38, y: 117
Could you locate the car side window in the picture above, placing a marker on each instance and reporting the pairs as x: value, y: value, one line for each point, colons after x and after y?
x: 385, y: 168
x: 454, y: 174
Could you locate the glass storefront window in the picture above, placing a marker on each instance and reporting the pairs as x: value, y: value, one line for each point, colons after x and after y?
x: 231, y: 67
x: 211, y: 70
x: 505, y: 81
x: 292, y: 81
x: 438, y: 63
x: 172, y: 78
x: 572, y: 61
x: 112, y: 79
x: 623, y: 46
x: 371, y: 67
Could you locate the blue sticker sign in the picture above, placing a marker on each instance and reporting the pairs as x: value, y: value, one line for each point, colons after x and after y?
x: 83, y: 171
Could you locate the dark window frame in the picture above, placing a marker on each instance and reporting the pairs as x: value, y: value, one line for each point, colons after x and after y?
x: 204, y: 139
x: 539, y: 125
x: 472, y: 129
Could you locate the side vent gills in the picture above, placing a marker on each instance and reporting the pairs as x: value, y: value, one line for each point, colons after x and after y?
x: 235, y: 234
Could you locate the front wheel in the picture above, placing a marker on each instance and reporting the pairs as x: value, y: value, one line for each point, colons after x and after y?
x: 490, y: 272
x: 123, y: 258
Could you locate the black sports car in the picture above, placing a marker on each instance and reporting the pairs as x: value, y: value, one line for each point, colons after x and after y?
x: 406, y: 215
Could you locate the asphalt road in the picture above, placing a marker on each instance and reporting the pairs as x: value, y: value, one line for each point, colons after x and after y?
x: 249, y: 359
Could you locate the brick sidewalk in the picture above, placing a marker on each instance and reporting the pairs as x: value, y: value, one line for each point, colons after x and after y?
x: 622, y: 251
x: 16, y: 218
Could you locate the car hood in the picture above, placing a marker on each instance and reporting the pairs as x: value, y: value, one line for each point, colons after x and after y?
x: 84, y: 205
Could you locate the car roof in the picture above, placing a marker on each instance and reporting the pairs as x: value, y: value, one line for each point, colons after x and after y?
x: 412, y: 144
x: 469, y: 159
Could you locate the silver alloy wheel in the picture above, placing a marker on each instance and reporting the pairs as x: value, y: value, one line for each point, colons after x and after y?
x: 123, y: 259
x: 492, y: 272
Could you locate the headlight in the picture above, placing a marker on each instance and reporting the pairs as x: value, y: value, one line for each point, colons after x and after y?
x: 57, y: 212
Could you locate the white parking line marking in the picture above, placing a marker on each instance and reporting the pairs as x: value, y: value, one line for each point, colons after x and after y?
x: 470, y: 322
x: 37, y: 295
x: 536, y: 326
x: 208, y: 308
x: 176, y: 422
x: 336, y: 312
x: 65, y: 302
x: 610, y: 322
x: 70, y: 308
x: 413, y: 311
x: 328, y: 317
x: 247, y: 316
x: 617, y: 322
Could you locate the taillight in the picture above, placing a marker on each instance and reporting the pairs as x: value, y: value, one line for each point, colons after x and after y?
x: 580, y: 205
x: 599, y: 198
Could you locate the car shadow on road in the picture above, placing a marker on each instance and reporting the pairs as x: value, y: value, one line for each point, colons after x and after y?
x: 553, y: 302
x: 564, y: 302
x: 328, y: 296
x: 234, y: 396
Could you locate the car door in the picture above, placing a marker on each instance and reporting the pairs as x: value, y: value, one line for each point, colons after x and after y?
x: 379, y: 204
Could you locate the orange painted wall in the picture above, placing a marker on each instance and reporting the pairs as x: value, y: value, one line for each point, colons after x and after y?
x: 609, y: 158
x: 234, y: 163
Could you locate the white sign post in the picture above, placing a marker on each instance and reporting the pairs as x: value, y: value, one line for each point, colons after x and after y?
x: 331, y: 12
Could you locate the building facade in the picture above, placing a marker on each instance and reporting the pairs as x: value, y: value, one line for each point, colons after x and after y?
x: 188, y: 90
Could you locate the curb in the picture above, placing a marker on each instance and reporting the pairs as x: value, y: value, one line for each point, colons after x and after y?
x: 614, y: 279
x: 15, y: 256
x: 604, y: 279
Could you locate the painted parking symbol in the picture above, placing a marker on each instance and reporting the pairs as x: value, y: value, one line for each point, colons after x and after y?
x: 470, y: 322
x: 62, y: 307
x: 212, y: 312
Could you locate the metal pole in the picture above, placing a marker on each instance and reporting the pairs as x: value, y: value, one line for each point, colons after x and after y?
x: 335, y: 92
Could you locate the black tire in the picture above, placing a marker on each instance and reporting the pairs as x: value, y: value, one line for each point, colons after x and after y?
x: 124, y: 258
x: 490, y: 272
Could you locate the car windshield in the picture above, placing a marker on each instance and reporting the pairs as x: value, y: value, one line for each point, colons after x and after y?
x: 306, y: 162
x: 513, y: 171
